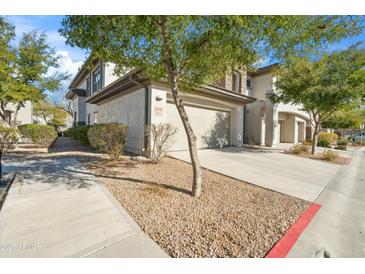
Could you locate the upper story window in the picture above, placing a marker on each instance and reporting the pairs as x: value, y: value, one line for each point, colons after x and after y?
x: 88, y: 86
x: 97, y: 80
x: 236, y: 81
x: 249, y: 83
x: 249, y: 90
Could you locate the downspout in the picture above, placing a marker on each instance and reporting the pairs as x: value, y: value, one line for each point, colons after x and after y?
x: 146, y: 120
x: 244, y: 124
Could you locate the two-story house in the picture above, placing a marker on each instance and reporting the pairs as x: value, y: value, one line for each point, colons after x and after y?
x: 215, y: 111
x: 220, y: 114
x: 270, y: 124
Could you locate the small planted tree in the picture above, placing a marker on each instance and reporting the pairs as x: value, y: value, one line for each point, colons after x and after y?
x: 8, y: 140
x: 109, y: 138
x: 190, y: 51
x: 161, y: 137
x: 335, y: 82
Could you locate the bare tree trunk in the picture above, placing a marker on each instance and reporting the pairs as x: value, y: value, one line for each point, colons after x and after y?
x: 172, y: 77
x: 317, y: 124
x: 16, y: 115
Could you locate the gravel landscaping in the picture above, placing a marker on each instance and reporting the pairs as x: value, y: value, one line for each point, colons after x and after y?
x: 231, y: 218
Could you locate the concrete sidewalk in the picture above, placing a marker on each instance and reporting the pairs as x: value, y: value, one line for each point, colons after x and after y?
x: 338, y: 229
x: 54, y: 211
x: 296, y: 176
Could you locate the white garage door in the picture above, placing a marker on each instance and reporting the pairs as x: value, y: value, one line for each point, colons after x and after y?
x: 211, y: 127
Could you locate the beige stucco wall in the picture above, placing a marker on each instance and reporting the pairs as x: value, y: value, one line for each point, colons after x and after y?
x: 109, y: 75
x: 261, y: 85
x: 128, y: 109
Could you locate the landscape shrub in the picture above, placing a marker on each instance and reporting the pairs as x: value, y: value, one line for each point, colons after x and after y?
x: 323, y: 143
x: 307, y: 142
x: 8, y: 138
x: 342, y: 142
x: 341, y: 147
x: 329, y: 155
x: 299, y: 149
x: 330, y: 137
x: 160, y: 136
x: 79, y: 133
x: 109, y: 138
x: 41, y: 135
x: 251, y: 141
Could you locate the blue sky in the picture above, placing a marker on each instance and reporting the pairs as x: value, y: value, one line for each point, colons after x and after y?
x: 72, y: 58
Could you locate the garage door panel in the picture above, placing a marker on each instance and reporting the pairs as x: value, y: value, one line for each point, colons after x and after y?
x: 211, y: 127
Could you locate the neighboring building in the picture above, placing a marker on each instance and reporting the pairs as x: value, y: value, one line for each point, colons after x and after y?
x: 270, y: 124
x: 25, y: 114
x: 216, y: 112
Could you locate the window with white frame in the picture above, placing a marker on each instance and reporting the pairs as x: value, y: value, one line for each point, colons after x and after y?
x: 236, y: 81
x: 97, y: 80
x: 95, y: 117
x: 88, y: 118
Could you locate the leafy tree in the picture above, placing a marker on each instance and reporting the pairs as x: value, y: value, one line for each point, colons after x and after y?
x: 7, y: 64
x: 335, y: 82
x: 26, y: 69
x: 188, y: 51
x: 351, y: 119
x: 50, y: 114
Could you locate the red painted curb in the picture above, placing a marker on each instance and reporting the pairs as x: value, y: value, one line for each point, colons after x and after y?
x: 285, y: 244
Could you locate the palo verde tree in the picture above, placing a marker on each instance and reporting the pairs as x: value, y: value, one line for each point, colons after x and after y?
x: 334, y: 82
x: 188, y: 51
x: 25, y: 69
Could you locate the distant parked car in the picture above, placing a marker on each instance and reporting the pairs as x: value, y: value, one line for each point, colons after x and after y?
x: 357, y: 137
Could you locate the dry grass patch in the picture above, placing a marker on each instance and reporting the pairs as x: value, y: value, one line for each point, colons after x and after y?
x: 231, y: 219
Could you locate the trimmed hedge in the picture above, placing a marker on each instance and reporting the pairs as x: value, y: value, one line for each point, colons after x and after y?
x: 109, y: 138
x: 42, y: 135
x: 79, y: 133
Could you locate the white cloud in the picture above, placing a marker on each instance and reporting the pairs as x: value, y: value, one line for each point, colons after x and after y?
x: 66, y: 65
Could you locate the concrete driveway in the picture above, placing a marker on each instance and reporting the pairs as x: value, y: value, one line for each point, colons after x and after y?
x: 292, y: 175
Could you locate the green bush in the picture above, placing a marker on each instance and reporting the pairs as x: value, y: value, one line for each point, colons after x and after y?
x: 8, y: 138
x: 330, y: 137
x: 342, y: 142
x: 341, y: 147
x: 42, y: 135
x: 329, y: 155
x: 79, y: 133
x: 323, y: 143
x: 299, y: 149
x: 108, y: 138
